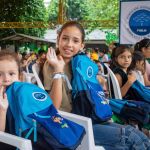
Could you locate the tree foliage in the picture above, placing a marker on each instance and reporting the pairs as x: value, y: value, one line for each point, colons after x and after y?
x: 23, y: 11
x: 91, y: 10
x: 53, y: 10
x: 103, y: 9
x: 74, y: 9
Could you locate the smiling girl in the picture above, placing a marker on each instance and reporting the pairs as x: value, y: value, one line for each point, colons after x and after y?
x: 110, y: 135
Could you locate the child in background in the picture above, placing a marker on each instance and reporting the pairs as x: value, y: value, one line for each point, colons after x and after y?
x: 138, y: 66
x: 103, y: 57
x: 121, y: 60
x: 94, y: 54
x: 100, y: 75
x: 144, y: 47
x: 88, y: 53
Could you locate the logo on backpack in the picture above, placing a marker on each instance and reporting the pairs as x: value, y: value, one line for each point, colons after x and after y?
x: 89, y: 71
x: 59, y: 120
x: 39, y: 96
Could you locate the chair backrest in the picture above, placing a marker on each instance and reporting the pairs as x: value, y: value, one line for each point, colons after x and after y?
x: 88, y: 140
x: 28, y: 77
x: 112, y: 78
x: 21, y: 143
x: 27, y: 68
x: 39, y: 83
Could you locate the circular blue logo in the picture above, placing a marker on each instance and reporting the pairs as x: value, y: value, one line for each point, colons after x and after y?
x: 39, y: 96
x: 89, y: 71
x: 139, y: 22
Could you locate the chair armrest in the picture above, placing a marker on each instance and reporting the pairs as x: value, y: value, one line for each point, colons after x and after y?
x: 88, y: 140
x: 21, y: 143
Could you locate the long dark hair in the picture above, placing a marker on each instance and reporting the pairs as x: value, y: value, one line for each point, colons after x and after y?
x: 137, y: 56
x: 145, y: 43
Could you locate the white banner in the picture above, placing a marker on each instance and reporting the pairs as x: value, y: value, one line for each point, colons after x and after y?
x: 134, y: 21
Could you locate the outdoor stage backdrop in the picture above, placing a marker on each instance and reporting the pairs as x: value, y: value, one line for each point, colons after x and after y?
x: 134, y: 21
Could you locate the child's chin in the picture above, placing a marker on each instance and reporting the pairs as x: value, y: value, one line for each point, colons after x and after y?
x: 7, y: 84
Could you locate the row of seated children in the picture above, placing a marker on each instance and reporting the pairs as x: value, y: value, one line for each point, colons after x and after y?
x: 102, y: 55
x: 111, y: 136
x: 128, y: 66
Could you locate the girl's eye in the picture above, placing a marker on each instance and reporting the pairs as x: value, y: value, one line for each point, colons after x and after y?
x: 64, y: 38
x: 122, y: 57
x: 12, y: 73
x: 76, y: 41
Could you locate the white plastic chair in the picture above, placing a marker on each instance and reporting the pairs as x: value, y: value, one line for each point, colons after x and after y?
x: 88, y: 140
x: 21, y: 143
x: 115, y: 84
x: 39, y: 83
x: 28, y: 77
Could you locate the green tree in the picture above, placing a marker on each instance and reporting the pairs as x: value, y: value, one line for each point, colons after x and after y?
x: 103, y: 14
x: 74, y: 9
x: 53, y: 10
x: 106, y: 12
x: 103, y: 9
x: 23, y: 11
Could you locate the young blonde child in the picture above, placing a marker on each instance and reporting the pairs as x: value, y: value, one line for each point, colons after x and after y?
x: 10, y: 73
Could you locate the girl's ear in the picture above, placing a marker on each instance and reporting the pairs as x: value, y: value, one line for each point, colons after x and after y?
x: 143, y: 50
x: 82, y: 46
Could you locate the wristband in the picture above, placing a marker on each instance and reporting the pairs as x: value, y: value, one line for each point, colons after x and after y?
x: 58, y: 76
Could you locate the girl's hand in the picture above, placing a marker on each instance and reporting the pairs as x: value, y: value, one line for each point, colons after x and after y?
x: 56, y: 62
x: 3, y: 99
x: 131, y: 78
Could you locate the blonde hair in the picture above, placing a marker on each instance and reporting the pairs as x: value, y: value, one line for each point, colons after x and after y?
x: 6, y: 54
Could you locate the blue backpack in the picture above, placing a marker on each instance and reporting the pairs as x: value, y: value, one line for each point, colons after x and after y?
x: 35, y: 116
x: 88, y: 98
x: 140, y: 91
x: 131, y: 110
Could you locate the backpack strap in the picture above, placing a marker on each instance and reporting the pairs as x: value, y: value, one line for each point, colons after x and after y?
x: 34, y: 130
x: 64, y: 76
x: 67, y: 81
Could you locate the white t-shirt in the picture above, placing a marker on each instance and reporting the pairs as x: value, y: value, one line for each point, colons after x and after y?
x: 104, y: 58
x: 139, y: 76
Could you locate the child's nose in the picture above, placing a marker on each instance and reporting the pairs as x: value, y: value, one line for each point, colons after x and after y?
x: 69, y: 43
x: 6, y: 77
